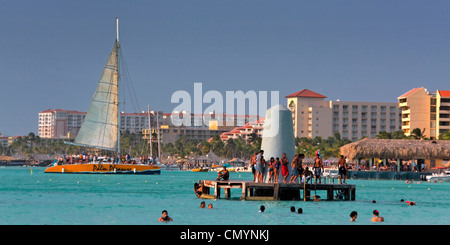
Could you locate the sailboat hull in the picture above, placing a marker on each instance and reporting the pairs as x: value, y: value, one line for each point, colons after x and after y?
x: 104, y: 168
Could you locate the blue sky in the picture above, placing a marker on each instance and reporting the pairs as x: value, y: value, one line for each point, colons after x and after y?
x: 52, y: 52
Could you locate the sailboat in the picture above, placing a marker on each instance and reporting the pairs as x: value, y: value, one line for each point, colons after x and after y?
x: 101, y: 126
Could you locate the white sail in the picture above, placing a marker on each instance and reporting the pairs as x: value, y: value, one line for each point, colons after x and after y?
x: 101, y: 124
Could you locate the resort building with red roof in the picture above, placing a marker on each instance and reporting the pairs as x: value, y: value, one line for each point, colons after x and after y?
x: 314, y: 116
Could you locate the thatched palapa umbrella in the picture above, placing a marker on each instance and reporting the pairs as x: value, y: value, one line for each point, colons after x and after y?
x: 397, y: 149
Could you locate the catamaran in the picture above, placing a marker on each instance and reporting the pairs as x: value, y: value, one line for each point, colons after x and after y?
x: 101, y: 126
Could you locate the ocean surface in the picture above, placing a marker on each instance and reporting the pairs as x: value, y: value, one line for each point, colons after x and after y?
x: 28, y: 196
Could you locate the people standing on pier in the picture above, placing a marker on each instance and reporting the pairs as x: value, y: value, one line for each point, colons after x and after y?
x: 253, y: 163
x: 295, y: 173
x: 259, y: 166
x: 318, y: 167
x: 284, y: 167
x: 297, y: 169
x: 271, y: 169
x: 276, y: 170
x: 342, y: 170
x: 264, y: 169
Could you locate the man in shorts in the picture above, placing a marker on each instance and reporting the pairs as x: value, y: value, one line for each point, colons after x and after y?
x: 284, y: 167
x: 318, y: 167
x: 297, y: 168
x: 342, y: 170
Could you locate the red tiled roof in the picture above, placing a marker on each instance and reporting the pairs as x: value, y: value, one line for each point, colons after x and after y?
x: 410, y: 92
x: 306, y: 93
x: 444, y: 93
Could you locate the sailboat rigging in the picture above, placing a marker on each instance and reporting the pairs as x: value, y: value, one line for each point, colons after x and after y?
x: 101, y: 126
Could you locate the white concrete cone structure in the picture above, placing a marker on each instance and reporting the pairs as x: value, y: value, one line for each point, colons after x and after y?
x: 278, y: 137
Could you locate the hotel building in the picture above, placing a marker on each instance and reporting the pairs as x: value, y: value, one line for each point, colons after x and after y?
x: 427, y: 111
x: 199, y: 126
x: 64, y: 124
x: 313, y: 116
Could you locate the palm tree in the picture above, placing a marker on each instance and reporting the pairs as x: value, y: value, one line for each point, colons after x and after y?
x: 418, y: 134
x: 445, y: 136
x: 383, y: 135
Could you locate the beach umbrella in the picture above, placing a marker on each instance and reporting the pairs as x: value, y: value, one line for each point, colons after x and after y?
x: 6, y: 158
x: 236, y: 160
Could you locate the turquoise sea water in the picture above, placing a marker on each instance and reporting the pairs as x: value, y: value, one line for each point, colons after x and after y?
x: 30, y: 196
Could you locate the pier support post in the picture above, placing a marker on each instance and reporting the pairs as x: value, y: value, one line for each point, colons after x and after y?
x: 244, y: 191
x: 227, y: 193
x: 330, y: 194
x: 216, y: 191
x: 276, y: 191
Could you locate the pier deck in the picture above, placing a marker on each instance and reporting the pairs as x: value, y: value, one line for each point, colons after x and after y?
x: 275, y: 191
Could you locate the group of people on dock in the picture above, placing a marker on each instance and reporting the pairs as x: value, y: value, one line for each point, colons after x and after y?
x: 260, y: 167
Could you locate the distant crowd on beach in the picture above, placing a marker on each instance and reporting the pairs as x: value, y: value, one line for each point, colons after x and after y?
x: 299, y: 174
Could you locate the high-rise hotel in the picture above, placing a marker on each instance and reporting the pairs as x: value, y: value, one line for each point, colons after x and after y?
x: 313, y: 116
x: 427, y: 111
x: 65, y: 124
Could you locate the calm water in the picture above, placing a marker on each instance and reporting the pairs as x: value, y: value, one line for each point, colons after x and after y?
x: 34, y: 197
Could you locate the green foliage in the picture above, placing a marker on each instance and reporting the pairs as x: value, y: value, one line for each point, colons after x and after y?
x: 132, y: 144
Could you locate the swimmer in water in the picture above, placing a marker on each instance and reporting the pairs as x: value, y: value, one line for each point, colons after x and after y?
x: 410, y: 203
x: 262, y: 208
x: 165, y: 216
x: 376, y: 217
x: 353, y: 216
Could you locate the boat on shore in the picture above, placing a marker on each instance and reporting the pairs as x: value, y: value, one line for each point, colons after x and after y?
x: 200, y: 169
x: 101, y: 126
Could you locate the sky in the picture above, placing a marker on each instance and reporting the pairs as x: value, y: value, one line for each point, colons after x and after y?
x: 52, y: 53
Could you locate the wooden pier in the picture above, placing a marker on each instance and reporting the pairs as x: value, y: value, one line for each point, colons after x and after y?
x: 275, y: 191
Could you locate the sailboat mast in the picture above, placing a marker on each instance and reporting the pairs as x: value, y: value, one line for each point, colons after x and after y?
x: 118, y: 81
x: 150, y: 132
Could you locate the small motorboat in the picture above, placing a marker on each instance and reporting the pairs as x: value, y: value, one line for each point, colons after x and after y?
x: 439, y: 177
